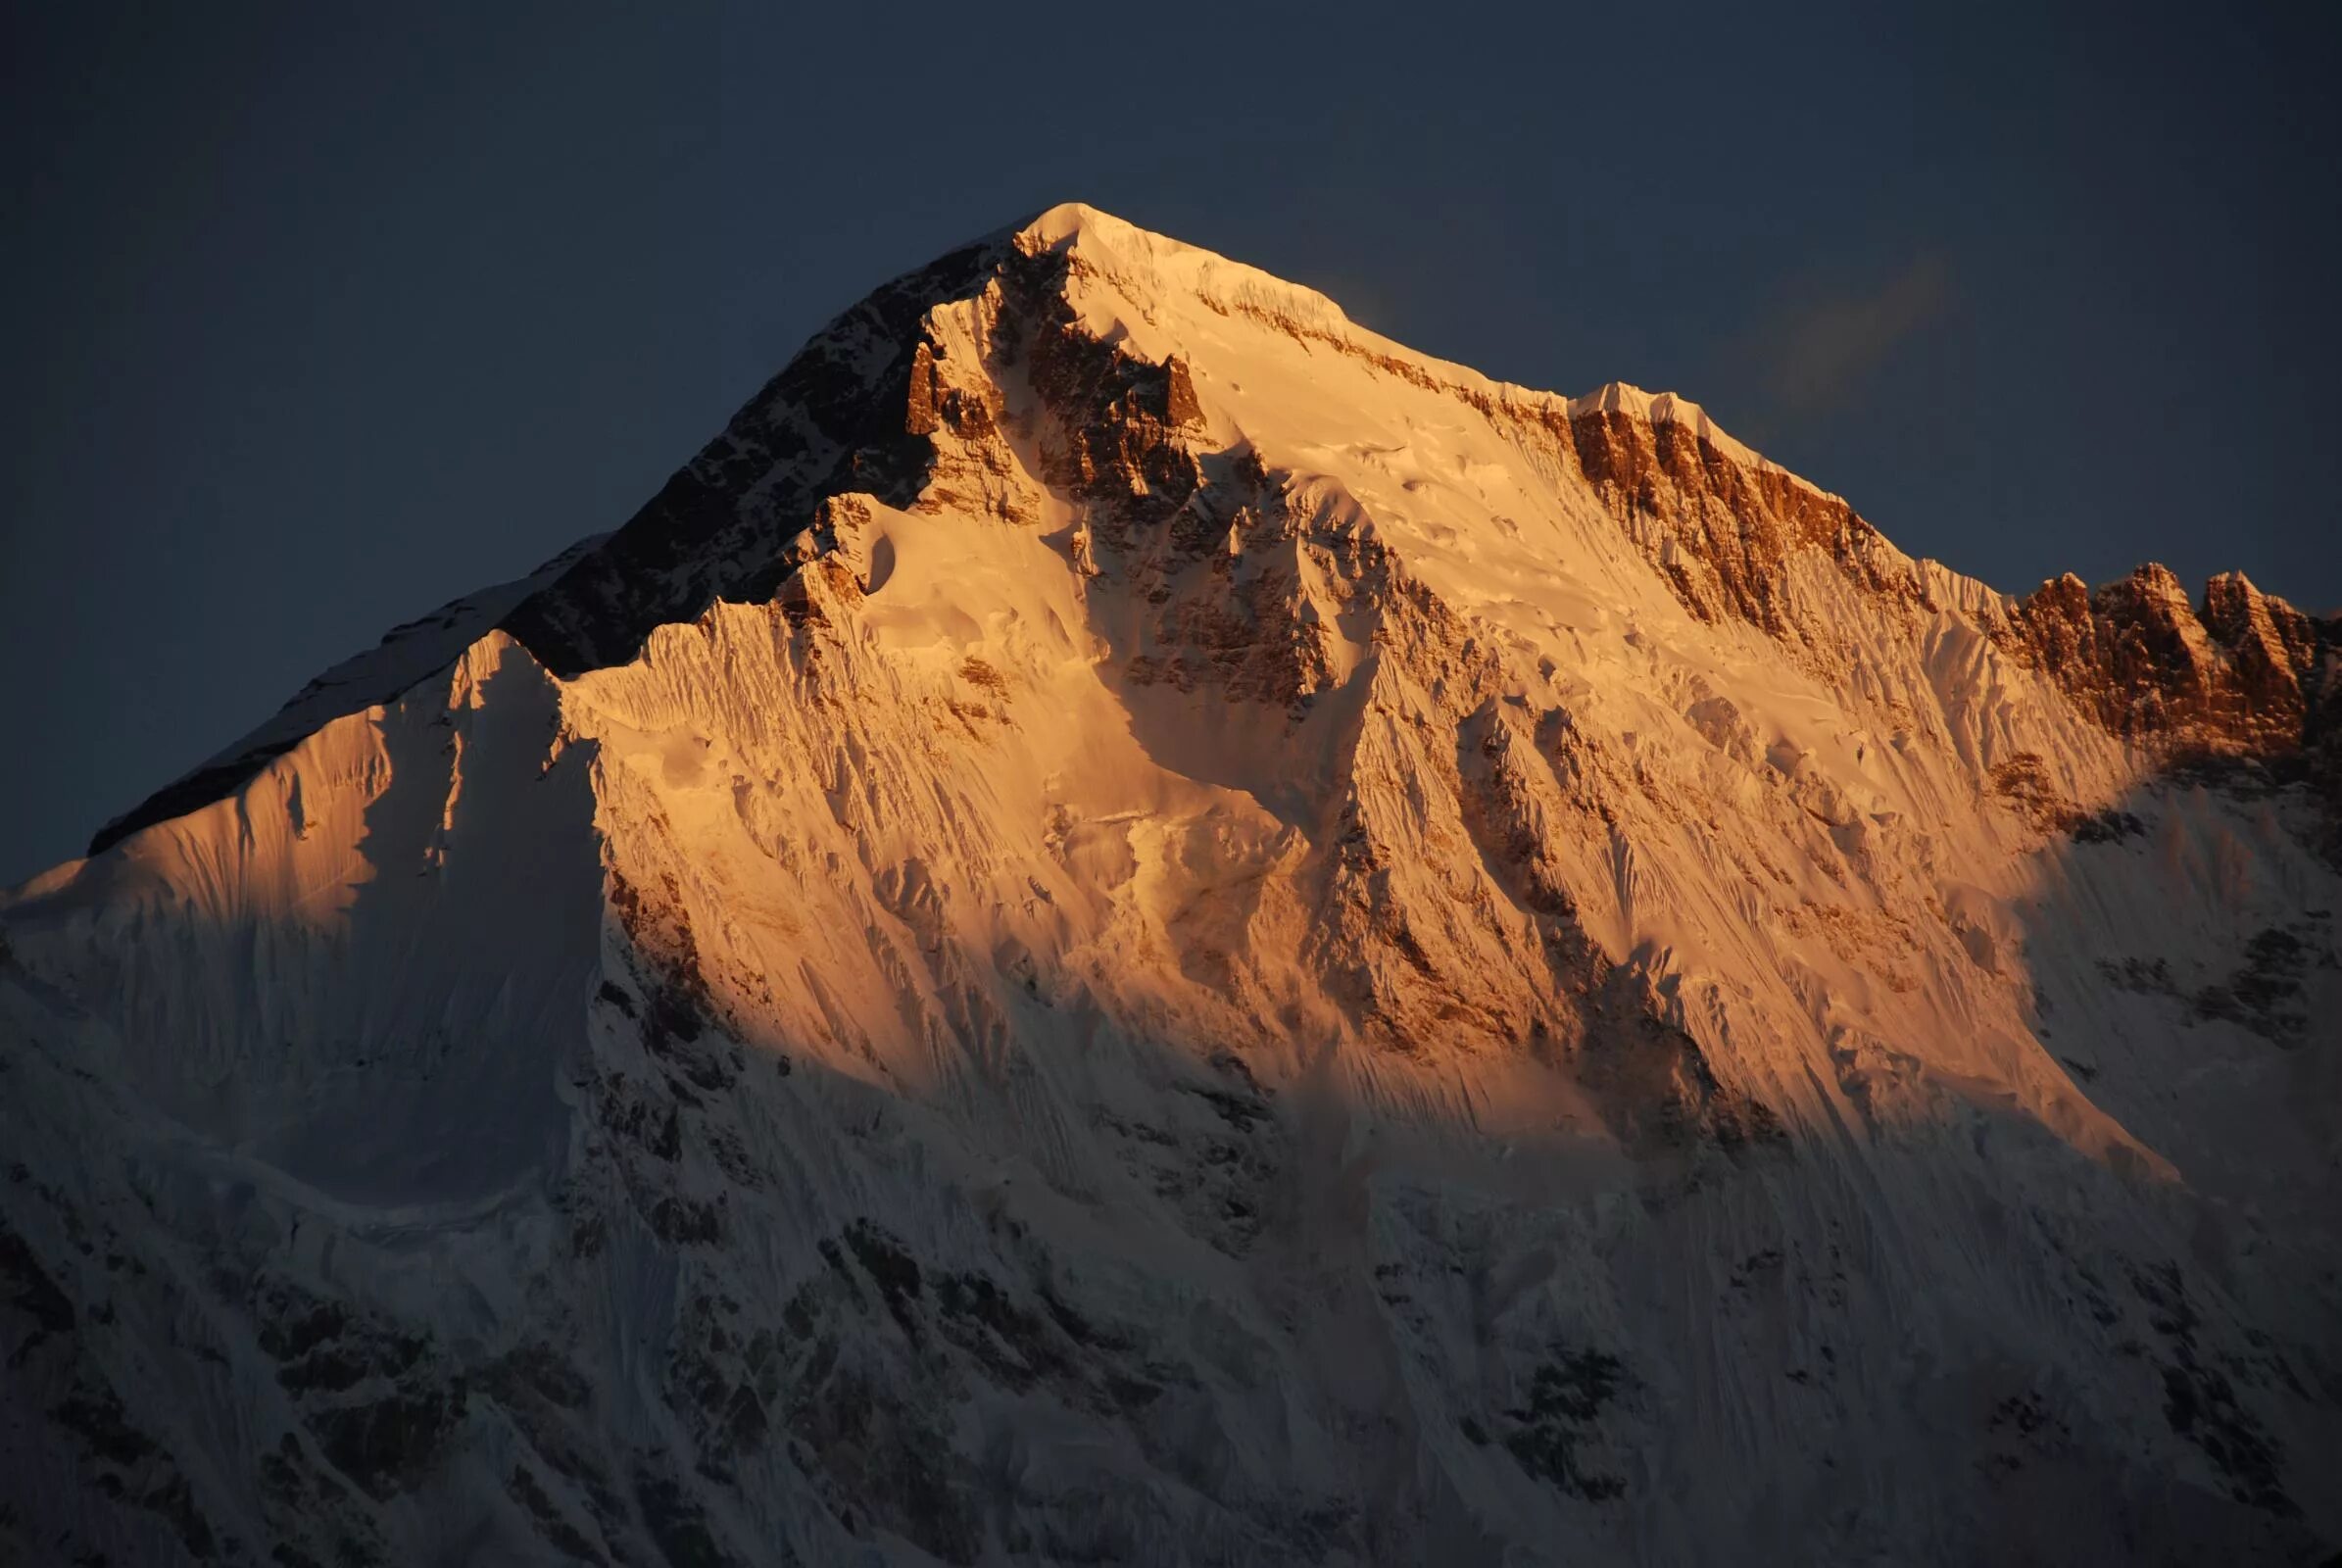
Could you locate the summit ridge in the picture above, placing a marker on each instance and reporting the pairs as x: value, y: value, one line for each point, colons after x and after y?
x: 721, y: 526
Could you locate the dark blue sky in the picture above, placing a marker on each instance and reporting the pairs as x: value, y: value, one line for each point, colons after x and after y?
x: 314, y: 321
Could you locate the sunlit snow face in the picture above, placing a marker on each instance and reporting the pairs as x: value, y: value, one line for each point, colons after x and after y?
x: 1347, y: 921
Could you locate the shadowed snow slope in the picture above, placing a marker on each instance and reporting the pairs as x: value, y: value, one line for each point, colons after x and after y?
x: 1132, y: 924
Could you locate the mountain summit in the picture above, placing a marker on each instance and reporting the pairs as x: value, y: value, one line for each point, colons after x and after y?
x: 1133, y: 924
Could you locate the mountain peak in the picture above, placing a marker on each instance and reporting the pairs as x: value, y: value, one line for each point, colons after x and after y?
x: 1667, y: 408
x: 1229, y: 357
x: 1068, y: 222
x: 1130, y: 922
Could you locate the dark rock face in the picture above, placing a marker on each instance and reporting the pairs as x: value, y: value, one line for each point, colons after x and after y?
x: 919, y: 415
x: 851, y: 412
x: 2237, y: 674
x: 1719, y: 532
x: 2242, y: 677
x: 2242, y: 689
x: 1114, y: 417
x: 1179, y: 394
x: 1199, y: 556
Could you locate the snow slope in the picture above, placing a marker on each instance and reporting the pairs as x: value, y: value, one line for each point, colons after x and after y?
x: 1136, y: 926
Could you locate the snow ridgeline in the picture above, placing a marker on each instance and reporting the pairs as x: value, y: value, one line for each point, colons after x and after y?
x: 1132, y: 924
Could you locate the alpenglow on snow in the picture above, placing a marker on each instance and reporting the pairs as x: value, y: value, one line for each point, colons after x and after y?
x: 1131, y: 924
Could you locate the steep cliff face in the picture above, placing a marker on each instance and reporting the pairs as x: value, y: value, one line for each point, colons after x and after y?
x: 2240, y: 676
x: 2243, y: 674
x: 1133, y: 924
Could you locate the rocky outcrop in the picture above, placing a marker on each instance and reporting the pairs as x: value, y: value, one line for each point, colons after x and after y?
x: 1720, y: 530
x: 2241, y: 675
x: 847, y: 414
x: 2239, y: 680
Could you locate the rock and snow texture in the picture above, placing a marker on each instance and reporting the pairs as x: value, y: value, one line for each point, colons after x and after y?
x: 1134, y: 925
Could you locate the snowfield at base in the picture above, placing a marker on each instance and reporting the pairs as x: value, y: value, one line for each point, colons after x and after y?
x: 1241, y: 972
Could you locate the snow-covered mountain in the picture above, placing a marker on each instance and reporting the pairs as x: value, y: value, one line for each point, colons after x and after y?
x: 1134, y: 925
